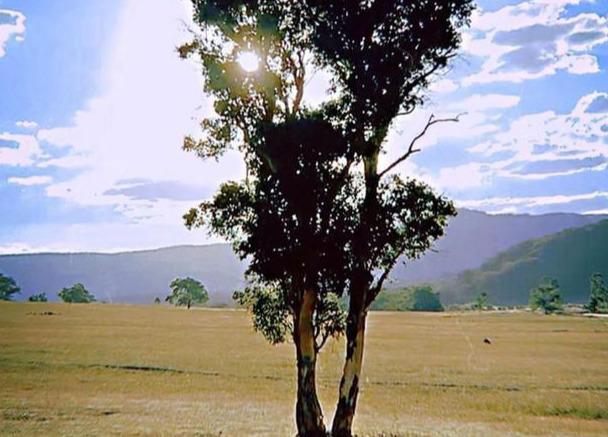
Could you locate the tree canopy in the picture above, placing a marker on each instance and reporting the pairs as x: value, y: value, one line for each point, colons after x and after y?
x: 315, y: 215
x: 76, y: 294
x: 39, y: 297
x: 187, y: 292
x: 546, y: 296
x: 415, y: 298
x: 8, y: 287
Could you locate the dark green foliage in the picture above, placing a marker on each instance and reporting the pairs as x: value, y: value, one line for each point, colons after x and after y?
x: 40, y: 297
x: 418, y: 298
x: 313, y: 227
x: 383, y: 55
x: 76, y: 294
x: 157, y: 300
x: 481, y: 302
x: 187, y: 292
x: 8, y: 287
x: 269, y: 312
x: 272, y: 317
x: 570, y: 256
x: 598, y: 299
x: 424, y: 299
x: 546, y: 297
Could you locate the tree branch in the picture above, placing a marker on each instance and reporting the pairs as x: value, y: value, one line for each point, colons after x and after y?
x: 412, y: 147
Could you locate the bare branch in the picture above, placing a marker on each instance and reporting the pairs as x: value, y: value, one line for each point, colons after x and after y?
x: 412, y: 147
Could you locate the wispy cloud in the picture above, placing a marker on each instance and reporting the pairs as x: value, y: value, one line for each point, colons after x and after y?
x: 532, y: 202
x: 12, y: 25
x: 18, y: 150
x: 27, y: 124
x: 534, y: 39
x: 29, y: 181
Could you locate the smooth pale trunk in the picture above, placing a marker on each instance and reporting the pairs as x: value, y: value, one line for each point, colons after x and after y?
x: 355, y: 326
x: 351, y: 376
x: 309, y: 416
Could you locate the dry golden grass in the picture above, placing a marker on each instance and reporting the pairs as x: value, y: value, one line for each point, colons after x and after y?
x: 152, y: 370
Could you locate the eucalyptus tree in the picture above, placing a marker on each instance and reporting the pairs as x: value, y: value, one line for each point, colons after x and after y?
x: 316, y: 214
x: 283, y: 217
x: 187, y: 292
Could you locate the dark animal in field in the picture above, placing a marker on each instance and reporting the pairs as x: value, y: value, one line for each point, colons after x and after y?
x: 487, y: 340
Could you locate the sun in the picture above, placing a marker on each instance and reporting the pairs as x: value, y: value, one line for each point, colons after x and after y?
x: 249, y: 61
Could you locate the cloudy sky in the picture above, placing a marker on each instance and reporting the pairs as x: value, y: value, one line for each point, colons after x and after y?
x: 94, y: 104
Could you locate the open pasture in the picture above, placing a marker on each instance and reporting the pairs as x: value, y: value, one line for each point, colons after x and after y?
x: 153, y: 370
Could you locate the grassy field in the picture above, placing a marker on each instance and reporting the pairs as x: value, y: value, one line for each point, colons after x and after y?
x: 152, y: 370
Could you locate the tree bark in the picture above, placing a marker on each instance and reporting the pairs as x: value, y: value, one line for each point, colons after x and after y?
x: 357, y: 313
x: 351, y: 375
x: 309, y: 416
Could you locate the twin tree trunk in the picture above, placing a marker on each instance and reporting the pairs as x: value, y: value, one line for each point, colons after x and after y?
x: 309, y: 417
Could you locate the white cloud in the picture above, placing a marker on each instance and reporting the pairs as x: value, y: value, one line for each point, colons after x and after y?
x: 135, y: 128
x: 545, y: 145
x: 462, y: 177
x: 18, y: 150
x: 485, y: 102
x: 596, y: 212
x: 13, y: 28
x: 443, y: 86
x: 534, y: 39
x: 30, y: 180
x: 27, y: 124
x: 532, y: 202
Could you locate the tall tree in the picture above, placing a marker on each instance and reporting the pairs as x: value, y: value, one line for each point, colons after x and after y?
x: 8, y: 287
x: 598, y: 299
x: 316, y: 214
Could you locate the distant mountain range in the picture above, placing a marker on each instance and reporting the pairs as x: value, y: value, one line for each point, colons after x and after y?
x: 570, y: 256
x: 132, y: 277
x: 472, y: 239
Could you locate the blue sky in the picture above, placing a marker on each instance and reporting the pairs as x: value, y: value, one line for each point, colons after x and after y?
x: 94, y: 104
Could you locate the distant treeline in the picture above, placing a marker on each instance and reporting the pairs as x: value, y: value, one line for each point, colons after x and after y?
x: 415, y: 298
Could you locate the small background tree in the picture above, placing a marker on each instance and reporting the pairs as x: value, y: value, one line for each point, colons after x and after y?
x: 157, y: 300
x: 423, y: 298
x: 481, y: 302
x: 598, y: 300
x: 8, y: 287
x: 76, y: 294
x: 187, y: 292
x: 546, y: 297
x: 40, y: 297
